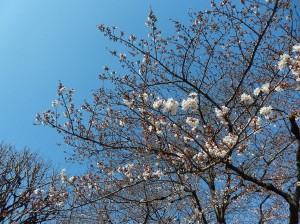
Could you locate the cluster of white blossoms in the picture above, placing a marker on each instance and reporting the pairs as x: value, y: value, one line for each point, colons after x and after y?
x: 230, y: 140
x: 227, y: 143
x: 63, y: 175
x: 265, y: 88
x: 246, y: 99
x: 296, y: 49
x: 193, y: 122
x: 170, y: 105
x: 266, y: 111
x: 284, y: 61
x: 296, y: 63
x: 292, y: 62
x: 214, y: 150
x: 158, y: 103
x: 190, y: 103
x: 221, y: 113
x: 146, y: 175
x: 144, y: 96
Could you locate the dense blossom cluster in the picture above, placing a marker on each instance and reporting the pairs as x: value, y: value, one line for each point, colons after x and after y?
x: 230, y: 140
x: 170, y: 105
x: 264, y: 89
x: 158, y: 103
x: 247, y: 99
x: 190, y: 103
x: 266, y: 111
x: 214, y: 150
x: 284, y: 61
x: 293, y: 63
x: 220, y: 113
x: 193, y: 122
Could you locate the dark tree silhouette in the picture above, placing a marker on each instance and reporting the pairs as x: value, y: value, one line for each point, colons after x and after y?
x: 28, y: 185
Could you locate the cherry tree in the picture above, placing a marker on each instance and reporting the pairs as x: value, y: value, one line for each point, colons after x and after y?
x: 30, y: 191
x: 200, y: 126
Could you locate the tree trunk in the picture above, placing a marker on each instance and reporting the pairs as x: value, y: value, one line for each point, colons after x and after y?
x: 221, y: 217
x: 222, y: 220
x: 294, y: 214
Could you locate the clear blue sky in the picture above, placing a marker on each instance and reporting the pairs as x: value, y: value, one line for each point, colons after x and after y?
x: 42, y: 42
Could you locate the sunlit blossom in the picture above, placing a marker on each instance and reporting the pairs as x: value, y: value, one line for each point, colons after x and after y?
x: 121, y: 123
x: 230, y: 140
x: 214, y: 150
x: 220, y: 113
x: 279, y: 89
x: 145, y: 97
x: 171, y: 106
x: 282, y: 64
x: 256, y: 91
x: 247, y: 99
x: 296, y: 48
x: 265, y: 88
x: 72, y: 179
x: 193, y: 122
x: 158, y: 103
x: 146, y: 175
x: 159, y: 132
x: 190, y: 103
x: 266, y: 111
x: 63, y: 175
x: 150, y: 128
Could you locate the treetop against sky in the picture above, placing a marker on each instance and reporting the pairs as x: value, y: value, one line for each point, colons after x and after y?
x: 198, y: 123
x: 43, y: 42
x: 194, y: 119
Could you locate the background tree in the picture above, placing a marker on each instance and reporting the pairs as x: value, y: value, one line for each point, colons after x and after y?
x: 29, y: 191
x: 201, y: 127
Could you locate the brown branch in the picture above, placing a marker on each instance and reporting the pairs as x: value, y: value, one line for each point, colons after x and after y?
x: 266, y: 186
